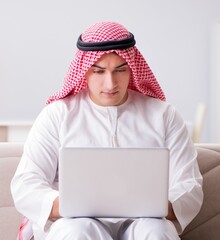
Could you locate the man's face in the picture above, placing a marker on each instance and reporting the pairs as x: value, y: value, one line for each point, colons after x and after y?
x: 108, y: 80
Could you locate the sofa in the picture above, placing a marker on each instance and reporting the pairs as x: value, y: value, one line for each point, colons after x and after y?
x: 206, y: 225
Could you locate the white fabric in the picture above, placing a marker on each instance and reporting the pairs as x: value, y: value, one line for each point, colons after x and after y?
x: 76, y: 121
x: 150, y: 229
x: 90, y: 229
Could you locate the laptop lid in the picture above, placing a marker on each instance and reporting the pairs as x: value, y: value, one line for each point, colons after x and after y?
x: 113, y: 182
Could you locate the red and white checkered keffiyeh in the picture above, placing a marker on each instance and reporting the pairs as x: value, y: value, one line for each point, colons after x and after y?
x: 25, y: 231
x: 142, y: 79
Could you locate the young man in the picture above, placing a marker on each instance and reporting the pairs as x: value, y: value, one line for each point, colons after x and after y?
x: 110, y: 98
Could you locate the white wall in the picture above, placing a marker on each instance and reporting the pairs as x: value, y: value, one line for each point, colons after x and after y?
x: 214, y: 90
x: 37, y: 43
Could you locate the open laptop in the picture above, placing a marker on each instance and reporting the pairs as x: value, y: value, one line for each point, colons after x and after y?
x: 113, y: 182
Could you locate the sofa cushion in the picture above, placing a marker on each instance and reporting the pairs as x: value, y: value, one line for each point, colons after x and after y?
x: 207, y: 222
x: 9, y: 221
x: 6, y: 173
x: 9, y: 218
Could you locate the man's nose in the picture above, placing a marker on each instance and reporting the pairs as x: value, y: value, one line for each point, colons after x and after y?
x: 110, y: 81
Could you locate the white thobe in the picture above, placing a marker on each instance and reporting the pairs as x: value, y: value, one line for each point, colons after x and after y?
x: 75, y: 121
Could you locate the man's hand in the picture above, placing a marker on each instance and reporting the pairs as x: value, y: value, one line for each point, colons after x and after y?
x: 171, y: 215
x: 54, y: 214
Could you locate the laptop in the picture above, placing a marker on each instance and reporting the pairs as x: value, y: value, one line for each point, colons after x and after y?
x: 113, y: 182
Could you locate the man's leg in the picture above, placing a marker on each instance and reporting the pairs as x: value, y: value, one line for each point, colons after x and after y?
x: 148, y: 229
x: 78, y: 229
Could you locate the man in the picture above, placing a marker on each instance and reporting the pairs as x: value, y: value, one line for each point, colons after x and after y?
x: 110, y: 98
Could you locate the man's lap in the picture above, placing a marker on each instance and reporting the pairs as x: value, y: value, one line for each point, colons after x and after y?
x: 104, y: 229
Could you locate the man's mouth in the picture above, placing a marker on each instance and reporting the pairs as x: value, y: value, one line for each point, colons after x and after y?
x: 110, y: 94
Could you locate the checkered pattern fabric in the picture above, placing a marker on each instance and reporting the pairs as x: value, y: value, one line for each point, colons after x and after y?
x: 142, y: 79
x: 25, y: 231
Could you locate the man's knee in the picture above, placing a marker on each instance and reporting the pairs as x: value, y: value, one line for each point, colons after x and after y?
x: 158, y: 229
x: 78, y: 228
x: 148, y: 228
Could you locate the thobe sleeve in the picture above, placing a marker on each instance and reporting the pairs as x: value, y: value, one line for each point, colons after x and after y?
x: 33, y: 186
x: 185, y: 191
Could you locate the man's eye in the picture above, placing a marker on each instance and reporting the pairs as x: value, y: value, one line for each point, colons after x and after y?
x: 120, y: 70
x: 98, y: 71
